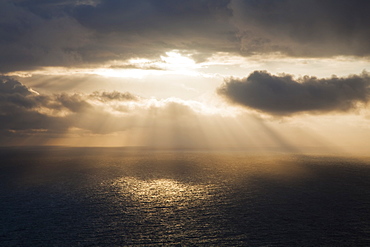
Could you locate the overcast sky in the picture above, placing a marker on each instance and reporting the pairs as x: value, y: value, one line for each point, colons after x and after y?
x: 186, y: 73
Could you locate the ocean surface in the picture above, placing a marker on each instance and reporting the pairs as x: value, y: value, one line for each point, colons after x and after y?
x: 141, y: 197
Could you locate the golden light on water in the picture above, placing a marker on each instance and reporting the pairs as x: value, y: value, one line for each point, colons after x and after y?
x: 163, y: 192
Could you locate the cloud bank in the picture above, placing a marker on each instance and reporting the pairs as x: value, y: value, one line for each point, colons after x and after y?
x: 114, y: 118
x: 284, y: 95
x: 25, y: 113
x: 83, y: 33
x: 306, y: 28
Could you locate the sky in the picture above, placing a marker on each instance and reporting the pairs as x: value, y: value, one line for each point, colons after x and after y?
x: 247, y: 74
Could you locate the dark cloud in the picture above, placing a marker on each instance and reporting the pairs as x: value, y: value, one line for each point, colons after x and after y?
x: 29, y: 40
x: 113, y: 96
x: 135, y: 66
x: 26, y: 113
x: 284, y: 95
x: 14, y: 95
x: 71, y: 33
x: 74, y: 102
x: 307, y: 28
x: 18, y: 109
x: 146, y: 15
x: 23, y: 110
x: 9, y: 86
x: 78, y: 33
x: 148, y: 28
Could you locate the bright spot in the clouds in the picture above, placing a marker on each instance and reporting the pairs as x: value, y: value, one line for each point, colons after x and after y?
x: 172, y: 63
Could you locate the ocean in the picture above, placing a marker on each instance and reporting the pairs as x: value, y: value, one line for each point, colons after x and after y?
x: 57, y: 196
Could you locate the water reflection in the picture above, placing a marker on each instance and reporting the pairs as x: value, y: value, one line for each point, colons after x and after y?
x: 163, y: 192
x: 182, y: 199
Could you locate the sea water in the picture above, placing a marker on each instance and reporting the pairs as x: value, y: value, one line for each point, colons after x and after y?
x: 143, y: 197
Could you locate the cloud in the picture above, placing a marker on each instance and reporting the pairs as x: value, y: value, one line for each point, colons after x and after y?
x: 10, y: 86
x: 15, y: 96
x: 78, y: 33
x: 136, y: 66
x: 147, y: 28
x: 24, y: 112
x: 30, y: 38
x: 20, y: 108
x: 284, y: 95
x: 81, y: 33
x: 113, y: 96
x: 117, y: 118
x: 74, y: 102
x: 308, y: 28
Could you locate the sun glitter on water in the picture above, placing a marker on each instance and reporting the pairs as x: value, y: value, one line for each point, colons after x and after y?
x: 162, y: 191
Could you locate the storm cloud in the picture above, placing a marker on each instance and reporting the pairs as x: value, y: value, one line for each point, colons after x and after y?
x: 307, y: 28
x: 285, y: 95
x: 79, y: 33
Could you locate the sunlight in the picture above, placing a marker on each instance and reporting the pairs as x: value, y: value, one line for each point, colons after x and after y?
x: 130, y: 73
x: 219, y: 65
x: 172, y: 63
x: 165, y: 192
x: 179, y: 63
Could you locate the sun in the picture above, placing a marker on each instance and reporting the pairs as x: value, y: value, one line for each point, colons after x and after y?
x: 174, y: 62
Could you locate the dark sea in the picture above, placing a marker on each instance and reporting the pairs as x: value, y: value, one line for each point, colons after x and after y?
x: 141, y: 197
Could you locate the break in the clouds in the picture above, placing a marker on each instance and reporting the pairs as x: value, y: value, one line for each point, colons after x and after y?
x: 285, y: 95
x: 81, y: 33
